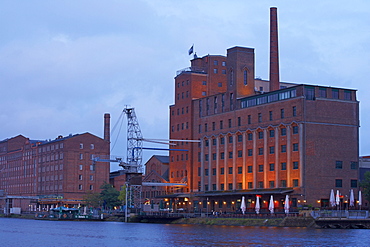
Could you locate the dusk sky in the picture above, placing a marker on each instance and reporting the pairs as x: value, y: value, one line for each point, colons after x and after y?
x: 63, y: 64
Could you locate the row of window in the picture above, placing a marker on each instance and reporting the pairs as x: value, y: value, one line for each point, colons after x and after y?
x: 51, y: 147
x: 260, y: 135
x: 339, y: 164
x: 260, y: 185
x: 323, y: 93
x: 283, y: 149
x: 271, y: 167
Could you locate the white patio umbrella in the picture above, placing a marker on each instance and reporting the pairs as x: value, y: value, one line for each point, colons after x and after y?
x: 286, y: 205
x: 359, y: 198
x: 351, y: 199
x: 271, y: 205
x: 243, y: 207
x: 257, y: 208
x: 332, y: 198
x: 337, y: 198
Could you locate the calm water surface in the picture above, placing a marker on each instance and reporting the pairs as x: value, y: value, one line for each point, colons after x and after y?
x: 21, y: 232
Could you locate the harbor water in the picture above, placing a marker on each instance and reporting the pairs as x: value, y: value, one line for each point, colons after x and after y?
x: 23, y: 232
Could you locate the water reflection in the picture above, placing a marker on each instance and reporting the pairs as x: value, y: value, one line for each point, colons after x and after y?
x: 20, y: 232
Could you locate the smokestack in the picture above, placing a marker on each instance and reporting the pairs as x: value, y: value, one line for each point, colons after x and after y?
x: 274, y: 51
x: 107, y: 127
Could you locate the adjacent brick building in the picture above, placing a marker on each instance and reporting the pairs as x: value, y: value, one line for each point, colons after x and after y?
x: 52, y: 172
x: 260, y: 137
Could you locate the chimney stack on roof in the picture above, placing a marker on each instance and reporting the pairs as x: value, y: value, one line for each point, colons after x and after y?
x: 274, y: 51
x: 107, y: 127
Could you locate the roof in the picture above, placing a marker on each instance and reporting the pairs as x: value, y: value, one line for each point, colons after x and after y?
x: 162, y: 158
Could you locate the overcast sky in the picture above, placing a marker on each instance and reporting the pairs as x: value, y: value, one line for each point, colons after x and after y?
x: 63, y: 64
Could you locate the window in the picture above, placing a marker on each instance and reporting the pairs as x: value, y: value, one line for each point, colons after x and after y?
x: 259, y: 117
x: 222, y: 187
x: 230, y: 139
x: 204, y: 83
x: 214, y: 156
x: 295, y: 146
x: 222, y: 171
x: 81, y: 167
x: 295, y: 165
x: 250, y: 185
x: 213, y: 186
x: 283, y: 166
x: 240, y: 153
x: 338, y: 164
x: 222, y: 155
x: 239, y: 121
x: 213, y: 126
x: 222, y: 140
x: 295, y: 129
x: 272, y: 184
x: 223, y: 63
x: 353, y: 183
x: 272, y: 167
x: 92, y: 167
x: 295, y: 182
x: 294, y: 111
x: 230, y: 155
x: 206, y: 157
x: 91, y: 187
x: 272, y: 133
x: 260, y: 151
x: 81, y: 145
x: 309, y: 92
x: 245, y: 77
x: 240, y: 138
x: 270, y: 115
x: 81, y: 156
x: 283, y: 183
x: 260, y: 168
x: 250, y: 152
x: 283, y: 148
x: 215, y: 71
x: 354, y: 165
x: 230, y: 170
x: 80, y: 186
x: 214, y: 171
x: 240, y: 170
x: 221, y: 125
x: 206, y: 172
x: 79, y: 177
x: 230, y: 186
x: 260, y: 184
x: 220, y: 83
x: 338, y: 183
x: 250, y: 136
x: 283, y: 131
x: 91, y: 177
x: 260, y: 135
x: 229, y: 123
x: 322, y: 92
x: 335, y: 93
x: 272, y: 149
x: 250, y: 169
x: 214, y: 142
x: 215, y: 62
x: 282, y: 114
x: 347, y: 95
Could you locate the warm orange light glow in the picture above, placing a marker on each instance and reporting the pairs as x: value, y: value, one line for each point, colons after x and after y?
x: 224, y: 202
x: 216, y: 202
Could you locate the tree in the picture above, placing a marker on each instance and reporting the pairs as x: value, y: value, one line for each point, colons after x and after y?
x: 109, y: 196
x: 93, y: 200
x: 122, y: 195
x: 365, y: 185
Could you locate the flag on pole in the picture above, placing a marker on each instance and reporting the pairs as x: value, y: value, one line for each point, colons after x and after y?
x: 191, y: 49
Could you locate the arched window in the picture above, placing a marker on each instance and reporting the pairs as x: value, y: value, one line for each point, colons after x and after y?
x: 245, y: 77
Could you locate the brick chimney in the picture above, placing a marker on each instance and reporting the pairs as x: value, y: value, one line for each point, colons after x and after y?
x: 274, y: 51
x: 107, y: 127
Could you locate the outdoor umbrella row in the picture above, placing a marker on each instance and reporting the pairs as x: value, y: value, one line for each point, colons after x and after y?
x: 271, y: 205
x: 335, y: 200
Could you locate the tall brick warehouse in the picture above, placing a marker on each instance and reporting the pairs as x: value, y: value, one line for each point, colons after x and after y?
x: 38, y: 174
x: 259, y: 137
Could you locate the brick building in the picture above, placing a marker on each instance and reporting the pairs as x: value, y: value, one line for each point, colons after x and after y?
x: 39, y: 174
x: 260, y: 137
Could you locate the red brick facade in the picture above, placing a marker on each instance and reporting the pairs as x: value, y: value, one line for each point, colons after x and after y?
x: 58, y: 171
